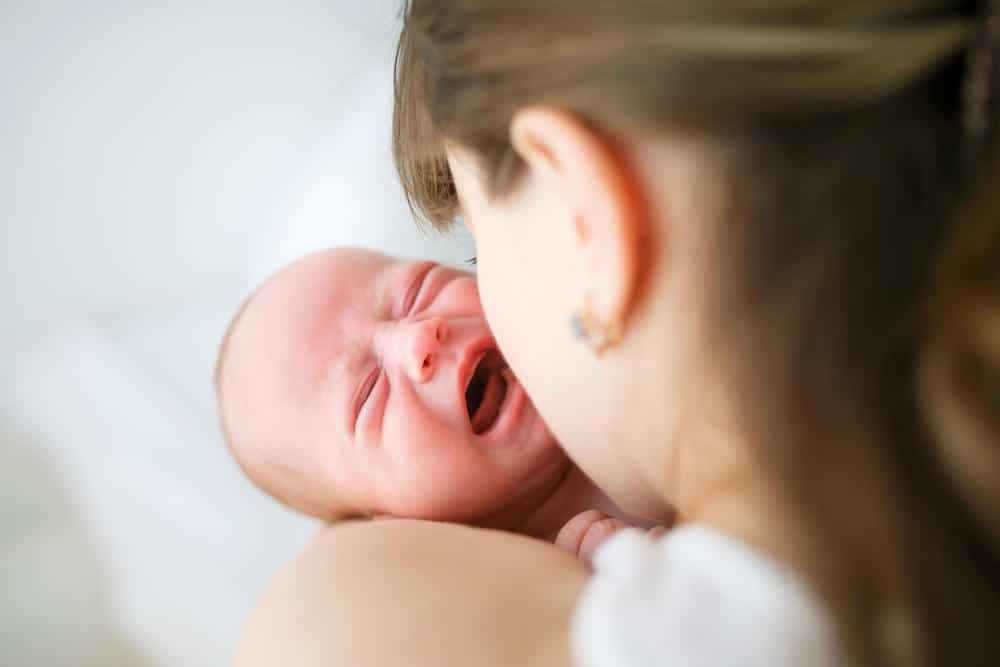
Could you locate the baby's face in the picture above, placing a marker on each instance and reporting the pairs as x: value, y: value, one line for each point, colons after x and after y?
x: 354, y: 382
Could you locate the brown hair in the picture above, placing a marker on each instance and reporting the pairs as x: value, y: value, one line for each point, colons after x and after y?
x: 863, y: 264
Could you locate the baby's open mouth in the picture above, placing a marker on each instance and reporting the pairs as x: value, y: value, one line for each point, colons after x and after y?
x: 486, y: 391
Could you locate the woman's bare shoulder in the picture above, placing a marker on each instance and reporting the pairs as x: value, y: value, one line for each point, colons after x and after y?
x: 416, y: 593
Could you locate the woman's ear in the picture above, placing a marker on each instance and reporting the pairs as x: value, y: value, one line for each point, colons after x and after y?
x: 588, y: 175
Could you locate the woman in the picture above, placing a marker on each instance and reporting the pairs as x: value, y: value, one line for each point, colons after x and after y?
x: 744, y: 257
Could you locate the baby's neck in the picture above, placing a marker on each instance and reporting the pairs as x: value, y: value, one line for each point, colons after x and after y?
x: 542, y: 514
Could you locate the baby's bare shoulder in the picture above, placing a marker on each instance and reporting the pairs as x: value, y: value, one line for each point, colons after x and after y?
x: 368, y: 592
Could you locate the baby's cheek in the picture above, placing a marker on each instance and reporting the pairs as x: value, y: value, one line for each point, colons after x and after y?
x: 461, y: 296
x: 470, y: 294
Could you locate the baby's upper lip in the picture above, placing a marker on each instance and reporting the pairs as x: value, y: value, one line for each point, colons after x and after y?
x: 471, y: 356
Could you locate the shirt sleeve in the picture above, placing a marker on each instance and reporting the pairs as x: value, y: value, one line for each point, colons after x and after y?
x: 696, y: 597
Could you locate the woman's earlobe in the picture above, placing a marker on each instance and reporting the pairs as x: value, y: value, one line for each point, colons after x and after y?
x: 601, y: 336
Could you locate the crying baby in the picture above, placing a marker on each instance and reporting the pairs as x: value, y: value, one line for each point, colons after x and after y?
x: 352, y: 384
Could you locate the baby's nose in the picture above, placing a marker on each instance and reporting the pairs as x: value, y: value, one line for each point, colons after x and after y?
x: 420, y: 343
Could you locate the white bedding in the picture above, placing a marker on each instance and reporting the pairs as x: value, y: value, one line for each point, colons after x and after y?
x: 186, y: 541
x: 125, y: 408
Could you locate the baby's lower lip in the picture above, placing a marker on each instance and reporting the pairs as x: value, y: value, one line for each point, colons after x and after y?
x: 494, y: 392
x: 485, y: 392
x: 513, y: 400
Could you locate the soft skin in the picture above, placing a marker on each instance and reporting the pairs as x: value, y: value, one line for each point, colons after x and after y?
x: 625, y: 223
x: 344, y: 387
x: 659, y: 431
x: 343, y: 393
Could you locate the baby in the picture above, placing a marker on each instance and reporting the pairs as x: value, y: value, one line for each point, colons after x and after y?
x: 352, y: 384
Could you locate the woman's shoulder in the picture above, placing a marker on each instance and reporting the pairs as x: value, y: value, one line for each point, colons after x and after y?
x: 699, y: 597
x: 413, y: 592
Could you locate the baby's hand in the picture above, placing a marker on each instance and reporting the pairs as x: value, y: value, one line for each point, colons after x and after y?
x: 588, y: 530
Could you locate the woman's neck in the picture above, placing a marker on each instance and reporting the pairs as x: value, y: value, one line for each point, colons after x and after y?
x: 705, y: 467
x: 751, y: 509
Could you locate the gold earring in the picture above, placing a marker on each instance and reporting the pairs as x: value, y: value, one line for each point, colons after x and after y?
x: 599, y: 335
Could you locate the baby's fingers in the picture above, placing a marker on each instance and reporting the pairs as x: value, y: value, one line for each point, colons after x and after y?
x: 584, y: 533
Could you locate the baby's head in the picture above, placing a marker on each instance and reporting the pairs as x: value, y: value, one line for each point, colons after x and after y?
x: 355, y: 384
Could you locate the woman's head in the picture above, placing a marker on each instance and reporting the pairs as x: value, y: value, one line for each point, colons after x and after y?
x: 759, y: 195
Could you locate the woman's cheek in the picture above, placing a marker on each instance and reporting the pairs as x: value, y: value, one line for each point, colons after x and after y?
x: 497, y: 294
x: 509, y: 283
x: 488, y: 293
x: 508, y: 314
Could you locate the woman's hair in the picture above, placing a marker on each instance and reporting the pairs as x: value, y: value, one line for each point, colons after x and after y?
x: 858, y: 258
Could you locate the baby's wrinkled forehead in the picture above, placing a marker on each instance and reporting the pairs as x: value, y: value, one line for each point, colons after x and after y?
x: 305, y: 289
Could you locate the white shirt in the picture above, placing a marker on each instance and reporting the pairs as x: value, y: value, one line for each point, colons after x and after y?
x: 694, y: 598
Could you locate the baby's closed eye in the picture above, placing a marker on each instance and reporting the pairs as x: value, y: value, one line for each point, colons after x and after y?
x: 364, y: 391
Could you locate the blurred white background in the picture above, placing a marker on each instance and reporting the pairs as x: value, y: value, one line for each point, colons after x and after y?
x: 155, y: 163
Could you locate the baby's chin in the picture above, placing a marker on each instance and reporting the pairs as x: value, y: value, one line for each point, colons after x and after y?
x: 477, y: 501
